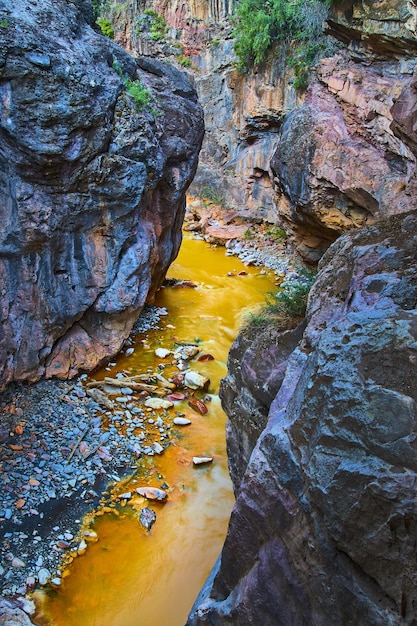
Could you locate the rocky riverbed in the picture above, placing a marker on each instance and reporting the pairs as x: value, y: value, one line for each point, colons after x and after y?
x: 63, y: 448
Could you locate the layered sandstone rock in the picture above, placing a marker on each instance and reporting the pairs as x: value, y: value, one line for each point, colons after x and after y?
x: 323, y: 530
x: 92, y: 188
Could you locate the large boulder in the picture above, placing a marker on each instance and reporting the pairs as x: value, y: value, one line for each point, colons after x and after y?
x: 324, y: 530
x: 92, y: 187
x: 339, y: 164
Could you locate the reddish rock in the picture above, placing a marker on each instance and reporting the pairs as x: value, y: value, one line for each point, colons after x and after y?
x: 338, y: 164
x: 198, y: 406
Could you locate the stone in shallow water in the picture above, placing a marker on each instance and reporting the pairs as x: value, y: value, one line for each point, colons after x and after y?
x: 158, y: 403
x: 181, y: 421
x: 201, y: 460
x: 152, y: 493
x: 147, y: 518
x: 198, y: 406
x: 162, y: 353
x: 194, y: 380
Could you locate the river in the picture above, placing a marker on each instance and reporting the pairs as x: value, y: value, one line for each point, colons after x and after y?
x: 132, y: 577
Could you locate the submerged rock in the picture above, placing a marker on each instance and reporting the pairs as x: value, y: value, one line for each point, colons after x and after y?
x: 92, y: 188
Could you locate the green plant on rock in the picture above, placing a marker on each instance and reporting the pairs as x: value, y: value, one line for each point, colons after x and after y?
x: 276, y: 233
x: 106, y: 27
x: 211, y: 194
x: 285, y: 307
x: 135, y: 88
x: 184, y: 61
x: 140, y: 94
x: 296, y: 23
x: 154, y: 23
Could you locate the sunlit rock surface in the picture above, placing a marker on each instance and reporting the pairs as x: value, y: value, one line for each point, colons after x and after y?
x: 324, y: 526
x: 91, y: 188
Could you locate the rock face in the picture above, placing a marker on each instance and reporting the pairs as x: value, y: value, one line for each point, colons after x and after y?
x: 243, y: 112
x: 91, y: 187
x: 323, y: 531
x: 338, y: 164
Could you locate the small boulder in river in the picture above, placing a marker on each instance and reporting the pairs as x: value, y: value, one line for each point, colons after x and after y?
x: 152, y: 493
x: 147, y: 518
x: 162, y: 353
x: 181, y: 421
x: 202, y: 460
x: 194, y: 380
x: 198, y: 406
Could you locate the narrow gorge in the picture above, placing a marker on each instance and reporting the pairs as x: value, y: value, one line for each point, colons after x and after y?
x: 118, y: 120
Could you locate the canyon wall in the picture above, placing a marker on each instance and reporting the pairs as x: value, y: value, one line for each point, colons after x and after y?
x: 92, y: 187
x: 318, y: 163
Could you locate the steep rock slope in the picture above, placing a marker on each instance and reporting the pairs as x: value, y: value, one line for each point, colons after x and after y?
x: 91, y: 187
x: 323, y: 531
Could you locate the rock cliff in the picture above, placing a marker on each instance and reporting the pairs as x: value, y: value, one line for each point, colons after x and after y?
x: 243, y: 112
x: 318, y: 164
x: 323, y: 530
x: 92, y: 186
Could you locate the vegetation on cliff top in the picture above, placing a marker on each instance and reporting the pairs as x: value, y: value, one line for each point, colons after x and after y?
x: 297, y: 23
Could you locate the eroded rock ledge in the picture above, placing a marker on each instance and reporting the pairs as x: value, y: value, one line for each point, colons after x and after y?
x: 324, y: 527
x: 91, y: 187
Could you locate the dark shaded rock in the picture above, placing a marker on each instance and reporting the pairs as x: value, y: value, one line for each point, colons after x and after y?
x: 91, y: 189
x: 256, y: 369
x: 324, y: 527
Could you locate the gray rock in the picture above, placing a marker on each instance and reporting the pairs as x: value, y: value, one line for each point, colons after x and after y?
x: 147, y: 518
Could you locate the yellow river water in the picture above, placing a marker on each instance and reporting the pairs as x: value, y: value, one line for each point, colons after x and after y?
x: 131, y: 577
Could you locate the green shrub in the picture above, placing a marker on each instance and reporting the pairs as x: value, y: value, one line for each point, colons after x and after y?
x: 211, y: 194
x: 291, y: 300
x: 285, y: 307
x: 140, y: 94
x: 4, y: 23
x: 106, y: 27
x: 276, y: 233
x: 184, y: 61
x: 135, y: 88
x: 154, y: 22
x: 296, y: 23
